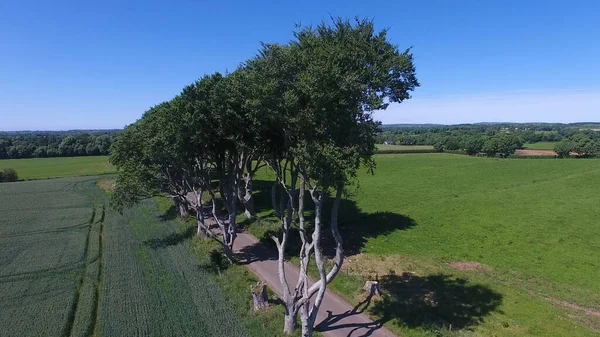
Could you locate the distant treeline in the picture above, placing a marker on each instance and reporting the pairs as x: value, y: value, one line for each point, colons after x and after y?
x: 581, y: 139
x: 41, y: 144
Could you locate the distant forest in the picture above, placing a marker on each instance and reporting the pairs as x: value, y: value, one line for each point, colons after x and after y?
x: 496, y: 139
x: 489, y: 138
x: 41, y: 144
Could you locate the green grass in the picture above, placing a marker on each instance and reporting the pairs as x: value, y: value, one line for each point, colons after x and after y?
x: 540, y: 146
x: 48, y: 258
x: 152, y: 283
x: 404, y: 147
x: 44, y: 168
x: 71, y: 266
x: 531, y: 224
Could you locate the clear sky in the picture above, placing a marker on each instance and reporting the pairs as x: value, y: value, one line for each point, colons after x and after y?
x: 101, y: 64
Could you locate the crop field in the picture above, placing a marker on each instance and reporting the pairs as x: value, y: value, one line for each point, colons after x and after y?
x: 44, y: 168
x: 46, y: 247
x: 473, y: 246
x: 70, y: 266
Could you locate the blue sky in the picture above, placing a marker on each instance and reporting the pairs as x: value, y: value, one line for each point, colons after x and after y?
x: 101, y: 64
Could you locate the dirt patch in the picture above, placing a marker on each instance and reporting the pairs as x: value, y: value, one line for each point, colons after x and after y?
x: 108, y: 185
x: 373, y: 266
x: 471, y: 266
x: 536, y: 153
x: 588, y: 317
x: 589, y: 311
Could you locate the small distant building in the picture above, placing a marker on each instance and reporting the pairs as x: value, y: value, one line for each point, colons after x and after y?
x: 389, y: 142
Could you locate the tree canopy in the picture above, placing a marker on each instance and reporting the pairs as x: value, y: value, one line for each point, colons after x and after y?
x: 303, y: 108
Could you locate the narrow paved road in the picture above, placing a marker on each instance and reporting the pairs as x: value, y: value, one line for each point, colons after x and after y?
x: 336, y: 318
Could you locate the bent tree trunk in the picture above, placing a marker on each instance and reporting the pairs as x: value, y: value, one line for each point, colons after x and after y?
x: 308, y: 313
x: 245, y: 196
x: 181, y: 206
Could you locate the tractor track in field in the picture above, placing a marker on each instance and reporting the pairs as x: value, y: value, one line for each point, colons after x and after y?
x: 69, y: 329
x: 96, y: 308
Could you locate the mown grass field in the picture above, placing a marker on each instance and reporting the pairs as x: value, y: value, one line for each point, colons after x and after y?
x: 44, y: 168
x: 540, y: 146
x: 70, y: 266
x: 474, y: 246
x: 404, y: 147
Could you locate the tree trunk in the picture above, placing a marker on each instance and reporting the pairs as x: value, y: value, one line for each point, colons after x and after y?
x: 200, y: 219
x: 181, y: 207
x: 372, y: 287
x: 290, y: 322
x: 231, y: 225
x: 307, y: 327
x: 247, y: 199
x: 259, y: 296
x: 276, y: 208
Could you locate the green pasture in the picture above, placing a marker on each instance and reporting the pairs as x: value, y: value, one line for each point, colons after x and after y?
x: 44, y: 168
x: 529, y: 228
x: 403, y: 147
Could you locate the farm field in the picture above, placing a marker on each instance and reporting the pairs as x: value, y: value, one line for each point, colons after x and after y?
x: 403, y: 147
x: 478, y: 246
x: 44, y: 168
x: 70, y: 266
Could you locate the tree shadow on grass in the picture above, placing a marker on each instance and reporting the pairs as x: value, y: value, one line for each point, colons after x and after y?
x: 436, y: 302
x: 262, y: 195
x: 169, y: 214
x: 172, y: 239
x: 355, y: 226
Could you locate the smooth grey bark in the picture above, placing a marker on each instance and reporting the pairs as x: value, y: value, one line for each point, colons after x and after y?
x: 181, y: 206
x: 300, y: 300
x: 246, y: 196
x: 286, y: 219
x: 308, y: 314
x: 276, y: 208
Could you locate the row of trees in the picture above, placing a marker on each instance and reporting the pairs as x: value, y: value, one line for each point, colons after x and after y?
x: 54, y: 144
x: 501, y: 144
x: 304, y: 110
x: 580, y: 145
x: 432, y: 134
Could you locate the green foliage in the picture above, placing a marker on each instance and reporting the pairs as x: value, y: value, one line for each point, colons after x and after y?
x: 319, y: 92
x: 540, y: 146
x: 580, y: 145
x: 9, y: 175
x: 17, y: 145
x: 44, y: 168
x: 473, y: 145
x: 539, y: 136
x: 502, y: 144
x: 564, y: 148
